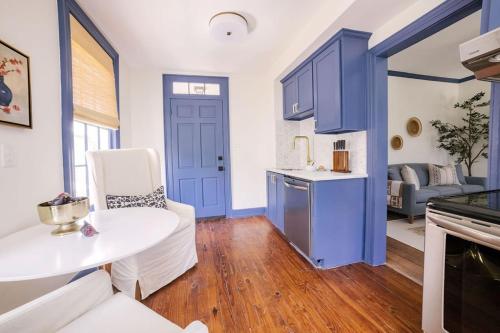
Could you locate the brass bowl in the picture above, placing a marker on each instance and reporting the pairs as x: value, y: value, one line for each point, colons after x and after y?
x: 65, y: 216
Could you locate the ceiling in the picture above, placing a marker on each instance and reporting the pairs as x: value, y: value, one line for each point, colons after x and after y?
x: 174, y: 33
x: 438, y: 54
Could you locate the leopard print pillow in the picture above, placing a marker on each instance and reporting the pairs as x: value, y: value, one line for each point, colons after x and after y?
x: 155, y: 200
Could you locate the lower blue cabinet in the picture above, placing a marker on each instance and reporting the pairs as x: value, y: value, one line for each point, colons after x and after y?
x: 275, y: 205
x: 337, y: 218
x: 338, y: 222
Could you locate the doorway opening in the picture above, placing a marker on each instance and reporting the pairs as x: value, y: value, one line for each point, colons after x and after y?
x: 430, y: 129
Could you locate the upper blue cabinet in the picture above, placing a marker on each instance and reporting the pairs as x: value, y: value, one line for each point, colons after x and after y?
x: 331, y: 85
x: 298, y: 94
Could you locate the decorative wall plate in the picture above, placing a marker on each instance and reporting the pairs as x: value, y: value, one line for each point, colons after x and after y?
x: 414, y: 126
x: 397, y: 142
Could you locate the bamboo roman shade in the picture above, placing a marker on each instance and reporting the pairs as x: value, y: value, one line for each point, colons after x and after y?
x: 94, y: 94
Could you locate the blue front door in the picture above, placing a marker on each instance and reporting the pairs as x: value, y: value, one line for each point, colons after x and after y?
x: 198, y: 155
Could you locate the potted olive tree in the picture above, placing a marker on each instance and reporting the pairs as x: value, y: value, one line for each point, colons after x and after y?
x: 468, y: 141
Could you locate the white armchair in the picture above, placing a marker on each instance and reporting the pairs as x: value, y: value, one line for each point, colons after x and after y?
x: 88, y: 305
x: 137, y: 172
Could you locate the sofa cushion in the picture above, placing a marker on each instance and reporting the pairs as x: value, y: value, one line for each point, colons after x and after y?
x: 422, y: 173
x: 393, y: 173
x: 410, y: 176
x: 469, y: 188
x: 109, y: 317
x: 446, y: 175
x: 156, y: 199
x: 445, y: 190
x: 424, y: 194
x: 460, y: 174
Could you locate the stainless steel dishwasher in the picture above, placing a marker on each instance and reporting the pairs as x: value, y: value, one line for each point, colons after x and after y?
x: 298, y: 214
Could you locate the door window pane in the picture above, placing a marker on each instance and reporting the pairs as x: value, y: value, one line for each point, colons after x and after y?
x: 196, y: 88
x: 212, y: 89
x: 180, y: 88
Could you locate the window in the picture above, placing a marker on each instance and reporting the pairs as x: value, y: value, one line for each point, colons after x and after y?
x: 90, y: 116
x: 86, y: 137
x: 195, y: 88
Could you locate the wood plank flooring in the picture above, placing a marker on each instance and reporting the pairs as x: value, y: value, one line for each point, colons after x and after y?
x: 249, y: 279
x: 405, y: 260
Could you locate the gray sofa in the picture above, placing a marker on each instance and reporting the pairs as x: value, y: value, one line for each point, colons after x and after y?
x: 414, y: 202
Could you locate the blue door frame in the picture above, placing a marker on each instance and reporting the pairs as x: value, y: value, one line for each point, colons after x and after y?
x: 168, y: 79
x: 435, y: 20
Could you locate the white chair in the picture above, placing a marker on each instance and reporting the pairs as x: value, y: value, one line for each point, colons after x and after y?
x: 137, y: 172
x: 88, y: 305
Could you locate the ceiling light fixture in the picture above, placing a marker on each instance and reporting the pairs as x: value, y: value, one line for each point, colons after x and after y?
x: 228, y: 26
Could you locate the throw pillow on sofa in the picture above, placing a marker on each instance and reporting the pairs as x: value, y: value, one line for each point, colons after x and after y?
x: 410, y: 176
x: 156, y: 199
x: 443, y: 175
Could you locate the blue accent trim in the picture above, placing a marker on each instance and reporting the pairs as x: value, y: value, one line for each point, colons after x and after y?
x: 247, y: 212
x: 489, y: 21
x: 224, y: 97
x: 429, y: 77
x: 65, y: 9
x: 435, y: 20
x: 343, y: 32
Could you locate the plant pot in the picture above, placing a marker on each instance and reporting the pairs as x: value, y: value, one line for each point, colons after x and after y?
x: 5, y: 93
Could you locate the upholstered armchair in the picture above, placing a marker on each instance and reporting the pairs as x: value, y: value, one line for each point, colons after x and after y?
x: 137, y: 172
x: 88, y: 305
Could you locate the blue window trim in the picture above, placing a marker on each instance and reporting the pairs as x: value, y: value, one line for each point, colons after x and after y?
x: 168, y: 79
x: 435, y: 20
x: 429, y: 77
x: 65, y: 9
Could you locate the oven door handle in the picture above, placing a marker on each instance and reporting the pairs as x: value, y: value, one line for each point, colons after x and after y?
x: 480, y: 236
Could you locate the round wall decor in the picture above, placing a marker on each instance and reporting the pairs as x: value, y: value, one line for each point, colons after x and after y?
x: 414, y: 126
x: 397, y: 142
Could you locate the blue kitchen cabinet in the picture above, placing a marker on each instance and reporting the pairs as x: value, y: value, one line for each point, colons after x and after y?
x: 289, y: 97
x: 338, y: 222
x: 298, y: 94
x: 339, y: 74
x: 275, y: 206
x: 331, y: 85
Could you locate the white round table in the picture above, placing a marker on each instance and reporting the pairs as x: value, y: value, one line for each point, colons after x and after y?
x: 34, y: 253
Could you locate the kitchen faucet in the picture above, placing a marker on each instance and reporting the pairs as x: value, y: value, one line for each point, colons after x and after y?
x: 309, y: 160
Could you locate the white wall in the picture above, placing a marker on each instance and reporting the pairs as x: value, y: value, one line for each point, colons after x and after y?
x: 427, y: 100
x: 251, y: 129
x: 32, y: 27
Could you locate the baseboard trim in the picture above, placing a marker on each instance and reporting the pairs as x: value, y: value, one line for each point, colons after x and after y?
x: 247, y: 212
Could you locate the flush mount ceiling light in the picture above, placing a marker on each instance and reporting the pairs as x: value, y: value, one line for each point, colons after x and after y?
x: 228, y: 26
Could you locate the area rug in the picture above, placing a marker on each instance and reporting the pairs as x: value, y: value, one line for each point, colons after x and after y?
x: 409, y: 234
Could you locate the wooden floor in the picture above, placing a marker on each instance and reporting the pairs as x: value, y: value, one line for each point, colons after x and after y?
x: 249, y: 279
x: 405, y: 260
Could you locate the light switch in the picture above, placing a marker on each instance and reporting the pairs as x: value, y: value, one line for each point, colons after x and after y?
x: 7, y: 156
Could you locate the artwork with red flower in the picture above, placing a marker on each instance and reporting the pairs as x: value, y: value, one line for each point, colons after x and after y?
x: 15, y: 90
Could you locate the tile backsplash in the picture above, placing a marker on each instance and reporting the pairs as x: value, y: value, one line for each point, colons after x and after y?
x: 321, y: 146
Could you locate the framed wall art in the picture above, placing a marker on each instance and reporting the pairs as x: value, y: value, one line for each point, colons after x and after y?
x: 15, y: 90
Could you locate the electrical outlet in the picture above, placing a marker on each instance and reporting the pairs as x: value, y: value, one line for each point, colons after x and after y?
x: 7, y: 156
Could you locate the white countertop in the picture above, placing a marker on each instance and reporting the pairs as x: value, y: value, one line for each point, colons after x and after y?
x: 318, y: 175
